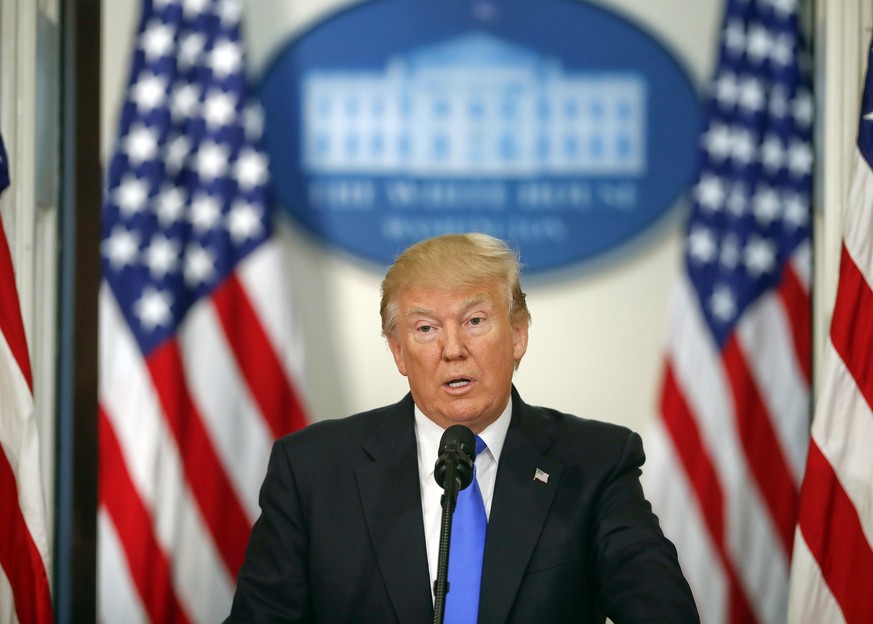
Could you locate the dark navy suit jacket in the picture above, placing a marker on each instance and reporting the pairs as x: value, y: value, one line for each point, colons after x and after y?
x: 341, y: 537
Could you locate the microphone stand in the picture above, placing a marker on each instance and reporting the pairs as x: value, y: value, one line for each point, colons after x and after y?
x: 441, y: 584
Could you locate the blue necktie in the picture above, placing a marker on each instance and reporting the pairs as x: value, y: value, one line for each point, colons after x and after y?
x: 469, y: 524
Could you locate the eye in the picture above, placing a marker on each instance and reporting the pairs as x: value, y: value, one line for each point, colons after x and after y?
x: 477, y: 320
x: 425, y: 328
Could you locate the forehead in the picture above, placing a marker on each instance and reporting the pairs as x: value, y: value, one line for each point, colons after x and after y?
x: 420, y: 300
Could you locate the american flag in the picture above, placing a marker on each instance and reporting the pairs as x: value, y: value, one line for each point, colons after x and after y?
x: 25, y: 594
x: 197, y: 350
x: 727, y: 452
x: 832, y: 570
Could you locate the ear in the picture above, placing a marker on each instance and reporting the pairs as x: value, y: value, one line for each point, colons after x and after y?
x: 519, y: 345
x: 397, y: 352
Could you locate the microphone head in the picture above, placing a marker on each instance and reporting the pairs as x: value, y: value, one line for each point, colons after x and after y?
x: 457, y: 445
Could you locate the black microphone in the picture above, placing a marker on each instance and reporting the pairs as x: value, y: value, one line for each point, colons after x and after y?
x: 453, y: 472
x: 457, y: 447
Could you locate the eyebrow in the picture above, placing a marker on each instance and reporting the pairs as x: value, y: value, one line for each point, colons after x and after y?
x: 470, y: 302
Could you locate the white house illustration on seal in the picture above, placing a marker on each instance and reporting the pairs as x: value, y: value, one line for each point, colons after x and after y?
x: 474, y: 106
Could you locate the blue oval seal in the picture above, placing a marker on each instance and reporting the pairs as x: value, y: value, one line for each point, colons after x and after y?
x: 556, y: 125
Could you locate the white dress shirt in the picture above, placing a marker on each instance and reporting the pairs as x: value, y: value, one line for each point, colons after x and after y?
x: 427, y: 436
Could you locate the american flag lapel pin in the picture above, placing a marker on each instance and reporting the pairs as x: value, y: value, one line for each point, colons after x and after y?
x: 541, y: 475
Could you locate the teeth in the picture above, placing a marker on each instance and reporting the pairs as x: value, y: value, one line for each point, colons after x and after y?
x: 459, y: 383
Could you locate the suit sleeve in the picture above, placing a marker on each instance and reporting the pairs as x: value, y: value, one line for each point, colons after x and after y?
x: 639, y: 578
x: 273, y: 584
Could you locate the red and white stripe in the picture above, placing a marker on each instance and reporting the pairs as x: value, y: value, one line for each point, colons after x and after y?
x: 25, y: 592
x: 726, y: 453
x: 832, y: 571
x: 184, y: 440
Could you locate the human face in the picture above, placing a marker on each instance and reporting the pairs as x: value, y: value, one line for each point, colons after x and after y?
x: 458, y: 350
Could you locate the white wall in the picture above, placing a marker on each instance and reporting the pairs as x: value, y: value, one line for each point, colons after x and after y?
x: 595, y: 342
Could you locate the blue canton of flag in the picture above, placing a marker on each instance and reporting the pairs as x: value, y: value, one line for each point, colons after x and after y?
x: 4, y: 167
x: 751, y: 203
x: 186, y: 194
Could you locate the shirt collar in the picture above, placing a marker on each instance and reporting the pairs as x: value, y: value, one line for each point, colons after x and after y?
x: 428, y: 435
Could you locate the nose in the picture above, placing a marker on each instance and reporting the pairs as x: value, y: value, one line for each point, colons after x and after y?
x: 454, y: 345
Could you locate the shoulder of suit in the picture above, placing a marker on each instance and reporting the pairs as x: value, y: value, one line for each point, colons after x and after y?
x: 572, y: 429
x: 601, y: 447
x: 349, y: 429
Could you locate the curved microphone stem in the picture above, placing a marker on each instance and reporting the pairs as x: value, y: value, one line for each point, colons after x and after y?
x: 441, y: 584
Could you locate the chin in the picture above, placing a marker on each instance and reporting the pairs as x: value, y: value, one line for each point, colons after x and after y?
x: 462, y: 418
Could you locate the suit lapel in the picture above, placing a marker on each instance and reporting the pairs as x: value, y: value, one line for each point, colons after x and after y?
x: 391, y: 500
x: 518, y: 512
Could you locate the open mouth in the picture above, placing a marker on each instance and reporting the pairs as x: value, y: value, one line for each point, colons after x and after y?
x: 458, y: 383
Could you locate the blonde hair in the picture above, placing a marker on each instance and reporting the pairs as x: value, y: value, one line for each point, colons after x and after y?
x: 454, y: 261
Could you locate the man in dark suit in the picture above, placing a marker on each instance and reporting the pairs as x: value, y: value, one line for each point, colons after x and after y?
x: 349, y: 526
